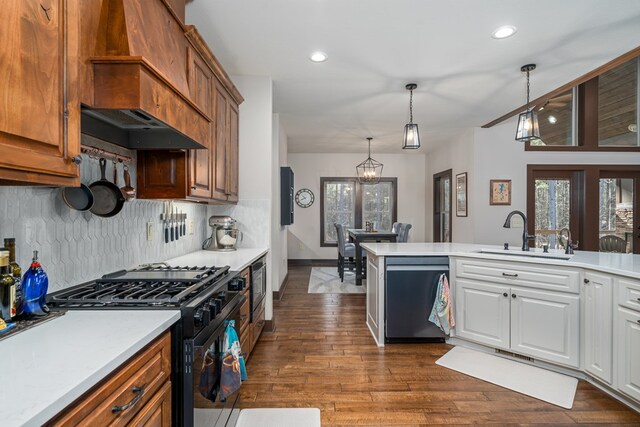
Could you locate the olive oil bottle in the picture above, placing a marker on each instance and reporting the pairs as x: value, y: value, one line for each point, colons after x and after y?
x: 16, y: 273
x: 7, y: 288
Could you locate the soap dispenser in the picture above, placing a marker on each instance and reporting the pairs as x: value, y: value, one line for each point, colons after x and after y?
x: 35, y: 284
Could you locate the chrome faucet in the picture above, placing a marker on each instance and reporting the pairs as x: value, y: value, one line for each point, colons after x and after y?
x: 569, y: 246
x: 525, y: 235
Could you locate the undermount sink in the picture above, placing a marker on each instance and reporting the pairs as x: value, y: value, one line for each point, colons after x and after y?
x: 533, y: 253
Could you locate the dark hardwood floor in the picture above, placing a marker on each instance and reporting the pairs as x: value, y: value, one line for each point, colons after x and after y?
x: 322, y: 355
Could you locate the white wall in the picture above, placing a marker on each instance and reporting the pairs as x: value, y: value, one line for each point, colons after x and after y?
x: 304, y: 233
x: 281, y: 145
x: 458, y: 156
x: 496, y: 155
x: 253, y: 211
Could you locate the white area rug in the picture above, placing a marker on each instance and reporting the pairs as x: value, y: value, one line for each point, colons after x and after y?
x: 279, y: 417
x: 536, y: 382
x: 325, y: 280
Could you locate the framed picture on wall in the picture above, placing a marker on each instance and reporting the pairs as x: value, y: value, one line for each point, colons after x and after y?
x: 461, y: 194
x: 500, y: 192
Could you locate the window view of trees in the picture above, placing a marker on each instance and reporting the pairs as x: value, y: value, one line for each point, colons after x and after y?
x: 376, y: 204
x: 616, y: 215
x: 553, y: 210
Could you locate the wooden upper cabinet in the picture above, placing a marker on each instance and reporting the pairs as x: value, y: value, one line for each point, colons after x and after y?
x: 226, y: 121
x: 233, y: 163
x: 201, y: 80
x: 178, y: 8
x: 39, y: 107
x: 221, y: 145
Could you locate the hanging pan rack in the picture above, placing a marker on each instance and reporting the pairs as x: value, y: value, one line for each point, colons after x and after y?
x: 97, y: 153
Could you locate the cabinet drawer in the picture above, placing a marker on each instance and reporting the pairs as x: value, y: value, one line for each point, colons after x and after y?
x: 148, y: 370
x: 245, y: 315
x: 520, y: 274
x: 628, y: 293
x: 158, y: 411
x: 257, y: 325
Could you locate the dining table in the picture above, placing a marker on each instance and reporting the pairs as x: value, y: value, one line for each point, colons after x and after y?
x: 359, y: 235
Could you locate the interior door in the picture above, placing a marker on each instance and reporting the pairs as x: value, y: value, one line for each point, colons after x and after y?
x: 442, y: 206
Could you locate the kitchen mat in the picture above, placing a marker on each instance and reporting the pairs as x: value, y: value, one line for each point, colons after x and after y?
x: 326, y: 280
x: 536, y: 382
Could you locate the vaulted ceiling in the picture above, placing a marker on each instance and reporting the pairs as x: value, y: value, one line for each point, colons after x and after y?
x: 465, y: 77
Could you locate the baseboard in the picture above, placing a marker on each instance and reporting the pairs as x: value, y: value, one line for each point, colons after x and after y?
x: 277, y: 295
x: 313, y: 262
x: 270, y: 325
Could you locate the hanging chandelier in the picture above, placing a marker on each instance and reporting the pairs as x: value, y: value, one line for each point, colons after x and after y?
x: 411, y: 139
x: 528, y: 121
x: 369, y: 171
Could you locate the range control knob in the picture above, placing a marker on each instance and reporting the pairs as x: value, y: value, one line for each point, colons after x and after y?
x: 197, y: 317
x: 206, y: 316
x: 222, y: 295
x: 213, y: 308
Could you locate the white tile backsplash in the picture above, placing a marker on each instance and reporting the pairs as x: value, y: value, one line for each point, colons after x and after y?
x: 77, y: 246
x: 252, y: 218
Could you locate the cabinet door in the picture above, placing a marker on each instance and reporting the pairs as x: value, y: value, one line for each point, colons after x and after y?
x: 221, y: 144
x: 157, y: 412
x: 161, y: 174
x: 373, y: 296
x: 628, y: 339
x: 201, y: 90
x: 598, y: 325
x: 545, y: 325
x: 39, y: 107
x: 232, y: 164
x: 482, y: 312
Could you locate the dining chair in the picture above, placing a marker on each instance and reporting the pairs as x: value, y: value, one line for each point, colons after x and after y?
x: 346, y: 252
x: 403, y: 233
x: 395, y: 226
x: 613, y: 243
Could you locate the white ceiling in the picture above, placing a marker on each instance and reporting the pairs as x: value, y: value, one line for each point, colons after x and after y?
x: 465, y: 78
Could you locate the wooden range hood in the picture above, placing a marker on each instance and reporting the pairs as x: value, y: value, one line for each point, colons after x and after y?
x: 135, y: 89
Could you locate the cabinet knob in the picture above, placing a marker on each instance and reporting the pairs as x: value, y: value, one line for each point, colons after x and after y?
x: 76, y: 159
x: 513, y: 295
x: 193, y: 187
x: 586, y: 281
x: 505, y: 294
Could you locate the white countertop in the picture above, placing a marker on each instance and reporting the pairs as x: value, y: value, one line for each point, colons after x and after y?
x: 621, y: 264
x: 45, y: 368
x: 237, y: 260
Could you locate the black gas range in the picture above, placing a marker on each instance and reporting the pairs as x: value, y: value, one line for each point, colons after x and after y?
x: 206, y: 298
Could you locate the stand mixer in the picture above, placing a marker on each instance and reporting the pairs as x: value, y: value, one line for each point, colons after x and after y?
x: 224, y: 234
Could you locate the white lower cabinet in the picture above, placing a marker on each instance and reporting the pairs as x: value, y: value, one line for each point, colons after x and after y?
x: 545, y: 325
x: 482, y: 313
x: 375, y: 316
x: 539, y: 324
x: 628, y: 366
x: 597, y: 296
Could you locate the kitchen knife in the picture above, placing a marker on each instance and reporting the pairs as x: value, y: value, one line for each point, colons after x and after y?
x: 171, y: 224
x: 166, y: 223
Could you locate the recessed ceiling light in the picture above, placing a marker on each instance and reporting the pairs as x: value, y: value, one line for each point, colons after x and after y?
x: 318, y: 56
x: 553, y: 120
x: 633, y: 127
x: 504, y: 32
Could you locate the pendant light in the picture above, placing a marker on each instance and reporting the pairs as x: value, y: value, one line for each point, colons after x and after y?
x: 528, y: 121
x: 369, y: 171
x: 411, y: 139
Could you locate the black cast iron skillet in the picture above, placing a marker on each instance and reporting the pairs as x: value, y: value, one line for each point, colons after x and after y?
x: 108, y: 199
x: 78, y: 198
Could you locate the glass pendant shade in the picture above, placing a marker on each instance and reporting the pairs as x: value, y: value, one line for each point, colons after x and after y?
x: 411, y: 138
x: 370, y: 170
x: 528, y: 127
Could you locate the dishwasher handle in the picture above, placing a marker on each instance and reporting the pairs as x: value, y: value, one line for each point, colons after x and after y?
x: 442, y: 268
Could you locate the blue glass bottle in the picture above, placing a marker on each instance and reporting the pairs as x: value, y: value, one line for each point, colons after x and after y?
x: 35, y: 284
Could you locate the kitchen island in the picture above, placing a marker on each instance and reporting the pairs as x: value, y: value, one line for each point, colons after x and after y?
x: 578, y: 314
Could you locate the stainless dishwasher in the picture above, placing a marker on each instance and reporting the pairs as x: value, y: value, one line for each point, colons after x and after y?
x: 410, y: 290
